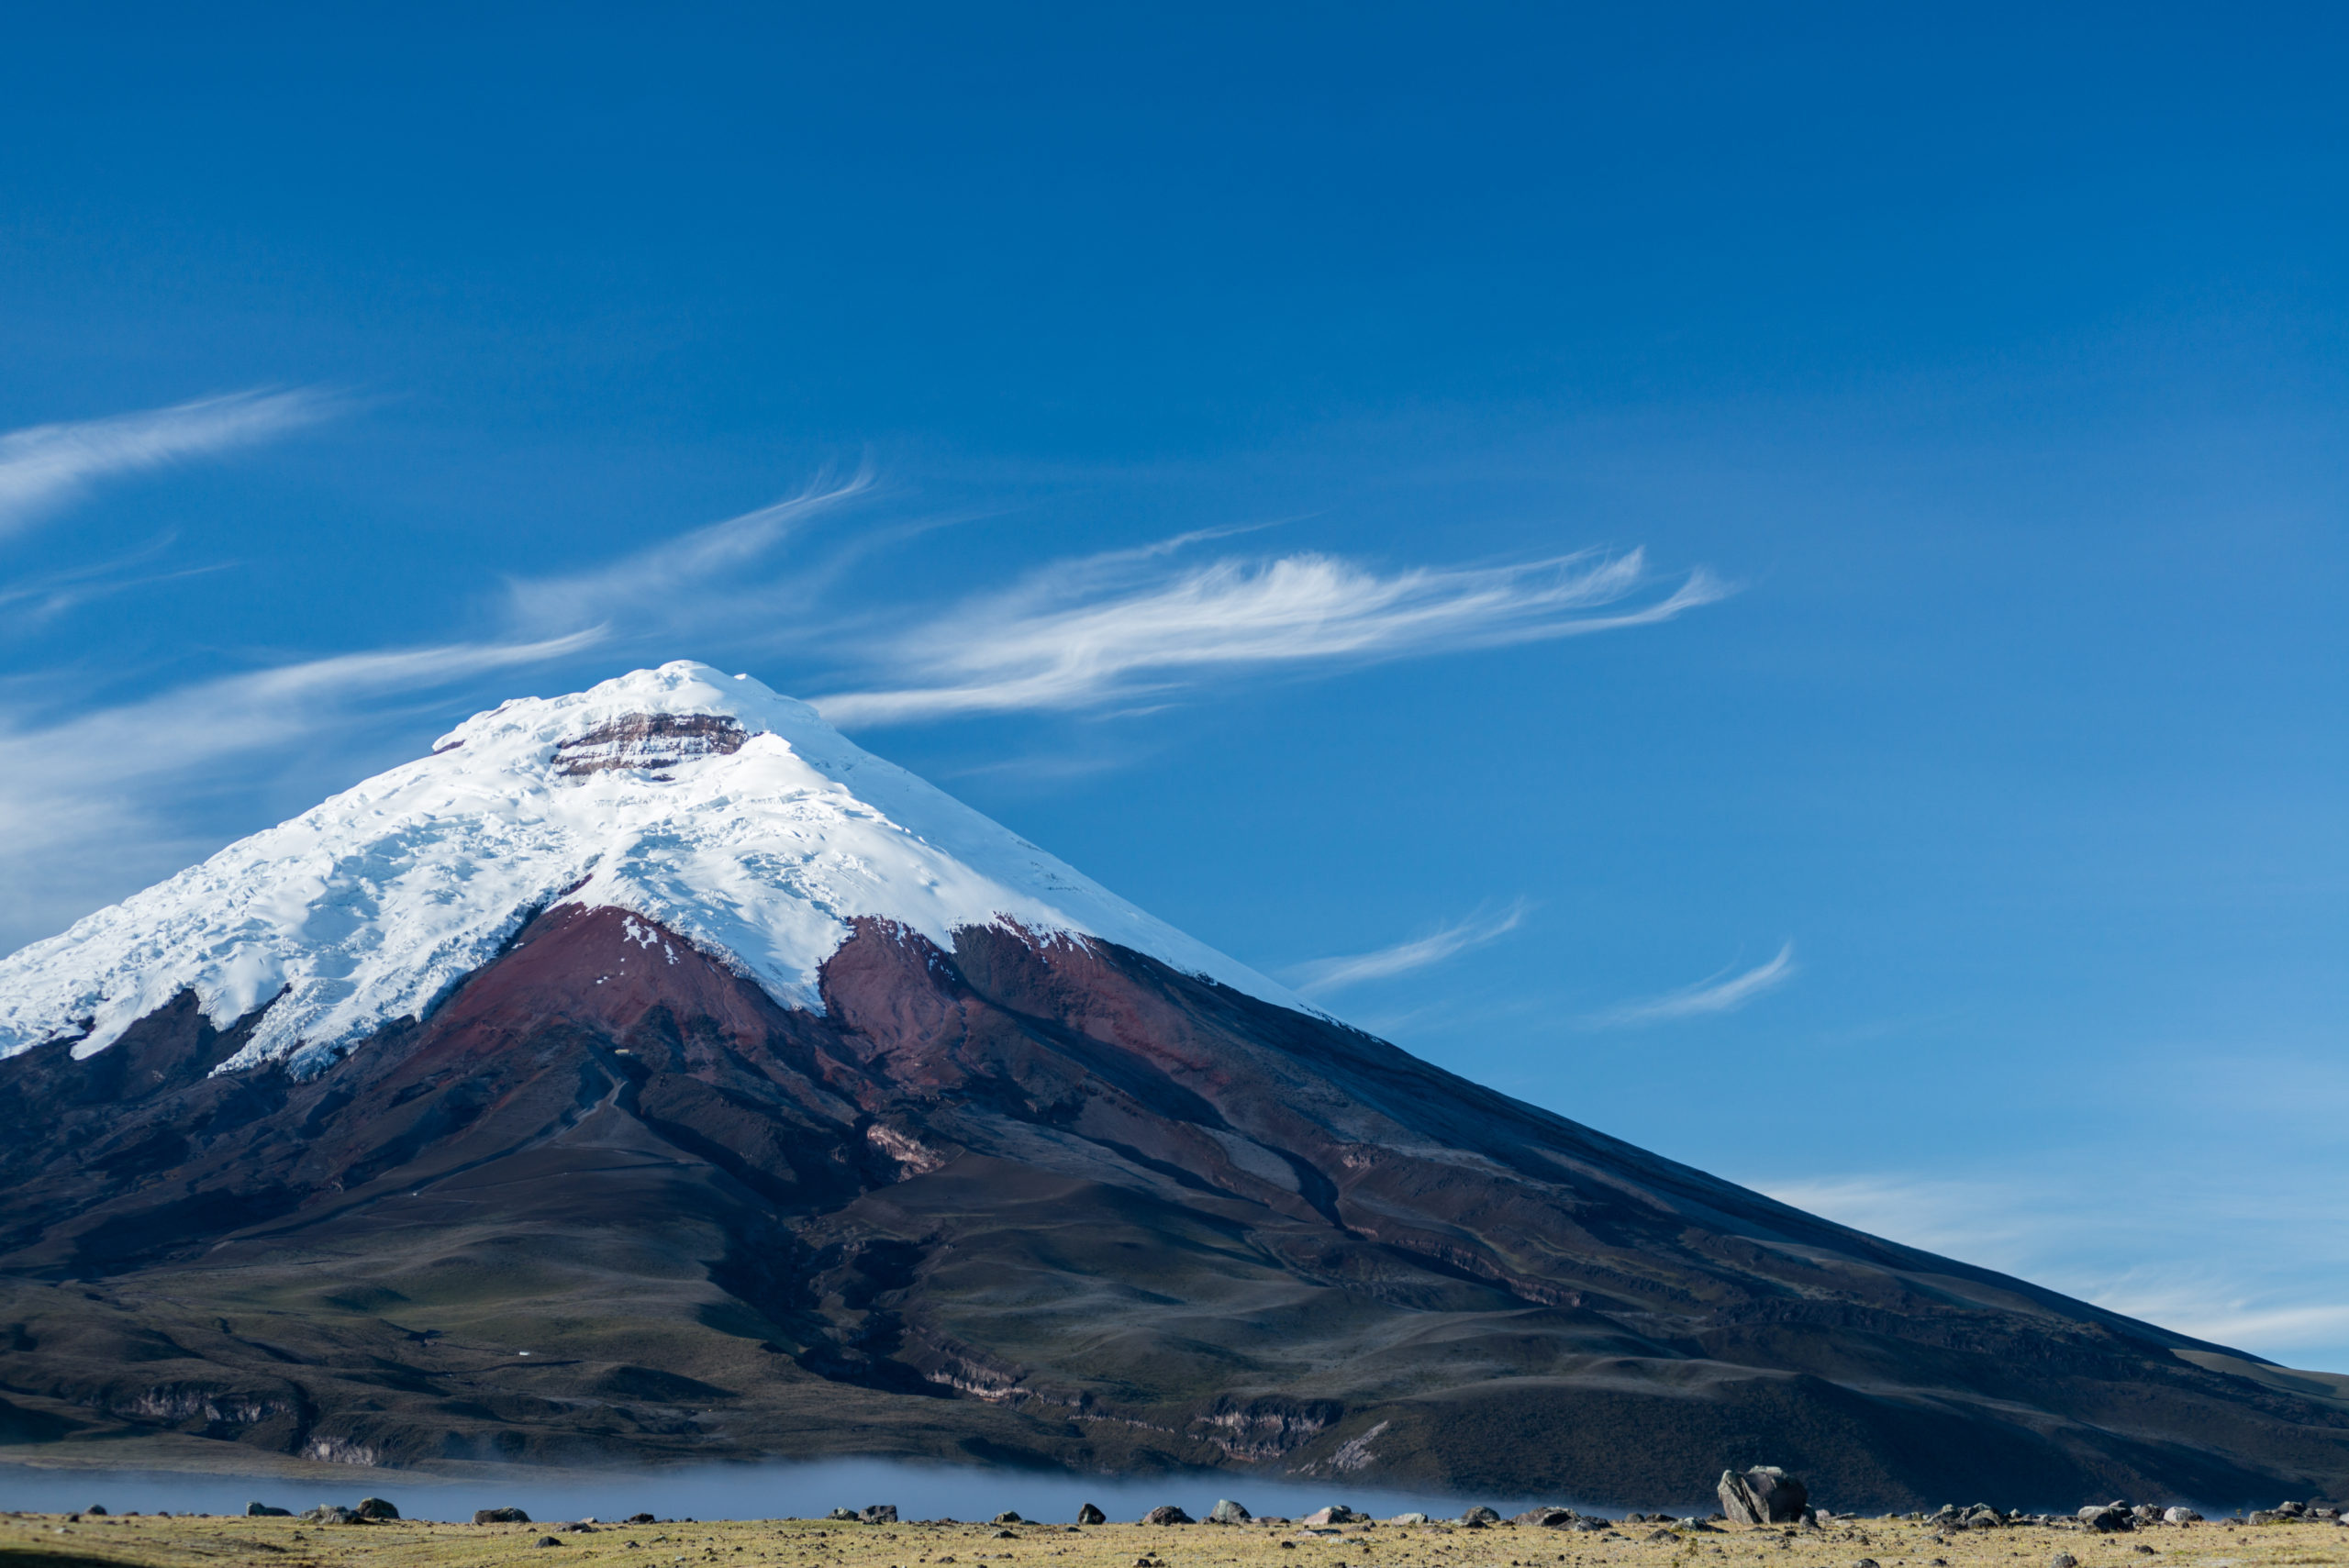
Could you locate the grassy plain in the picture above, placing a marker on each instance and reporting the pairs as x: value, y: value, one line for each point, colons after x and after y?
x: 56, y: 1541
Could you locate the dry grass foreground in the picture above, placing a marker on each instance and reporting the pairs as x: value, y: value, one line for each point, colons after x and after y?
x: 59, y: 1541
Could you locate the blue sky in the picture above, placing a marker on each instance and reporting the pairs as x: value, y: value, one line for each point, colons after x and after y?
x: 1771, y: 582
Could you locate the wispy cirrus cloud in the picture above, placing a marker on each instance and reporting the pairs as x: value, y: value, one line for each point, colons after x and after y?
x: 1120, y: 628
x: 30, y: 602
x: 1111, y: 629
x: 1322, y: 976
x: 719, y: 574
x: 1723, y: 991
x: 94, y: 793
x: 44, y: 466
x: 91, y: 797
x: 2271, y: 1289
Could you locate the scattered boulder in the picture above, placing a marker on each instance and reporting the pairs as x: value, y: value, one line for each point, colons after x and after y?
x: 263, y: 1511
x: 1227, y: 1512
x: 95, y: 1510
x: 2107, y: 1517
x: 333, y: 1513
x: 2063, y: 1560
x: 844, y: 1515
x: 1167, y: 1514
x: 1005, y: 1535
x: 1408, y: 1519
x: 1554, y: 1519
x: 1480, y: 1516
x: 641, y: 1519
x: 1866, y: 1562
x: 1008, y: 1517
x: 2264, y: 1516
x: 500, y: 1517
x: 376, y: 1509
x: 1089, y: 1515
x: 1765, y: 1494
x: 2181, y: 1517
x: 880, y: 1514
x: 546, y: 1540
x: 2145, y: 1514
x: 1335, y: 1514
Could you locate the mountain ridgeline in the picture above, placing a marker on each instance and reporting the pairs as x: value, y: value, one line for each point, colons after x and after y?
x: 649, y: 1074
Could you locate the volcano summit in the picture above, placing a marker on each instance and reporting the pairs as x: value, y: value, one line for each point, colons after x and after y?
x: 652, y: 1072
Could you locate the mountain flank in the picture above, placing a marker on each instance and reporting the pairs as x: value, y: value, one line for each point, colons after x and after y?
x: 646, y: 1179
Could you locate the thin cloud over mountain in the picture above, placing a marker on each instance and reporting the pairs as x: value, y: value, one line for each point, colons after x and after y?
x: 45, y: 466
x: 1093, y: 632
x: 1114, y: 629
x: 1322, y: 976
x: 1721, y: 992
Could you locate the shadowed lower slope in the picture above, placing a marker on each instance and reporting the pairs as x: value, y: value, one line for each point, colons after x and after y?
x: 1025, y: 1200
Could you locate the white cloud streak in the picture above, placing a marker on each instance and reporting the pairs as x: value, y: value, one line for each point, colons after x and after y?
x: 1721, y: 992
x: 44, y: 466
x: 1323, y: 976
x: 1119, y: 630
x: 2230, y: 1268
x: 256, y: 710
x: 1090, y: 633
x: 694, y: 579
x: 90, y: 802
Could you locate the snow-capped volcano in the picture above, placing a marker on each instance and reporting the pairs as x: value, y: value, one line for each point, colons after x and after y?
x: 782, y: 1106
x: 733, y: 816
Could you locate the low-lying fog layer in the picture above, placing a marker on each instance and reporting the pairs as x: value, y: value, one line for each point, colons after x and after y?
x: 717, y: 1491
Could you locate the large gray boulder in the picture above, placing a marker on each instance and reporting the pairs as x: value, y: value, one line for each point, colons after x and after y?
x: 1226, y: 1512
x: 1089, y: 1515
x: 1167, y: 1514
x: 500, y: 1517
x: 1765, y: 1494
x: 880, y: 1514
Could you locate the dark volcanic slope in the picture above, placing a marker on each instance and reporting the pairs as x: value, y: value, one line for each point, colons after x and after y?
x: 1018, y: 1201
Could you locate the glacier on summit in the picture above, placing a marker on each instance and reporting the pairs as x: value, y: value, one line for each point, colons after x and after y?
x: 732, y: 815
